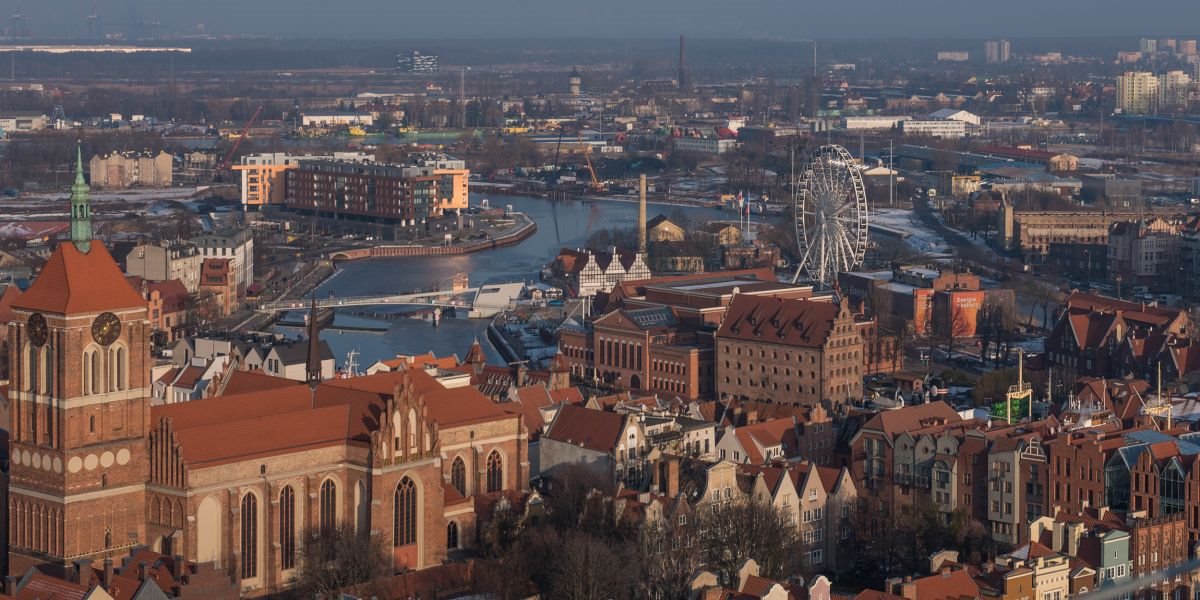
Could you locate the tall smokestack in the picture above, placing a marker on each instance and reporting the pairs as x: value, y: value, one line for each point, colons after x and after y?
x: 642, y: 214
x: 682, y: 65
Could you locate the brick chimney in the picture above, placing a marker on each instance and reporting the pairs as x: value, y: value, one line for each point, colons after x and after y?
x: 108, y: 572
x: 141, y: 571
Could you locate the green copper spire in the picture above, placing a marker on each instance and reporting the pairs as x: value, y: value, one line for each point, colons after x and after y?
x: 81, y: 207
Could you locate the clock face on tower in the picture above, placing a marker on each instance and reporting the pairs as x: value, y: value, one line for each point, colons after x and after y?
x: 36, y: 327
x: 106, y: 328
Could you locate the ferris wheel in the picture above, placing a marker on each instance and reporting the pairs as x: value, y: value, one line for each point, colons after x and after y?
x: 831, y: 215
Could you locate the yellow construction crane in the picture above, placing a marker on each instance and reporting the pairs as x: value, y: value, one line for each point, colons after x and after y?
x: 587, y: 156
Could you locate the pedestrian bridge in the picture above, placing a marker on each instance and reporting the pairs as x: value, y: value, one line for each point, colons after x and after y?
x: 483, y: 301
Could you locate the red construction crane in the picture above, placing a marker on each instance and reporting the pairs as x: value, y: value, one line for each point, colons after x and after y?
x: 228, y: 162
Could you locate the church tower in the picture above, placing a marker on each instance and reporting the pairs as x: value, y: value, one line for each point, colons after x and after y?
x: 79, y: 392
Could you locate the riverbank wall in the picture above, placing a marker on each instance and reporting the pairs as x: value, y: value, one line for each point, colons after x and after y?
x: 509, y: 239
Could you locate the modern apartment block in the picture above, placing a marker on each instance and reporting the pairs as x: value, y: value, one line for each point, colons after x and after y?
x: 263, y: 174
x: 405, y: 195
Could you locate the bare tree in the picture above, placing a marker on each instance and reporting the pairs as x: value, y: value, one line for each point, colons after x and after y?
x: 750, y: 530
x: 956, y: 328
x: 339, y: 559
x: 670, y: 556
x: 588, y: 568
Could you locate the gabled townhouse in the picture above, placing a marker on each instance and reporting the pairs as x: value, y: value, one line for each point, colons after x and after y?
x: 607, y: 444
x: 820, y: 501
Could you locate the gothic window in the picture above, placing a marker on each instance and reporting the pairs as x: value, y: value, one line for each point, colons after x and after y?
x: 495, y: 472
x: 328, y: 505
x: 249, y: 536
x: 287, y: 528
x: 458, y: 476
x: 47, y: 370
x: 405, y: 513
x: 92, y: 424
x: 107, y: 538
x: 451, y: 535
x: 120, y: 369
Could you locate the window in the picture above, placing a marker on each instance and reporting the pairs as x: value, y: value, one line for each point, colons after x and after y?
x: 458, y: 475
x: 404, y: 530
x: 249, y: 536
x: 328, y: 505
x: 287, y: 528
x: 495, y: 472
x: 92, y: 424
x: 451, y: 535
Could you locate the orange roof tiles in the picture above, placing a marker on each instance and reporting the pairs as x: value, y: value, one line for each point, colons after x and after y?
x: 44, y: 587
x: 244, y: 382
x: 592, y: 429
x: 74, y: 282
x: 951, y: 585
x: 237, y: 427
x: 7, y: 297
x: 777, y: 432
x: 802, y: 323
x: 911, y: 418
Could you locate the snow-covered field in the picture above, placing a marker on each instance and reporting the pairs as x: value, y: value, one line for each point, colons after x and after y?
x: 53, y: 205
x: 920, y: 238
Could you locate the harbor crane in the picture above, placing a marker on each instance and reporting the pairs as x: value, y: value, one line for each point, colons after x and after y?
x: 228, y: 162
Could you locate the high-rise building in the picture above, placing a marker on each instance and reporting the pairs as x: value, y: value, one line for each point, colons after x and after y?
x: 1173, y: 91
x: 1148, y: 46
x: 997, y: 51
x: 415, y: 62
x: 1137, y: 92
x: 1186, y: 48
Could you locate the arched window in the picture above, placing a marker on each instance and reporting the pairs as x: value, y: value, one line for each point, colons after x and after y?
x: 91, y: 372
x: 249, y: 536
x: 47, y: 372
x: 287, y: 528
x: 328, y: 505
x: 458, y: 475
x: 451, y: 535
x: 119, y: 374
x: 404, y: 530
x: 107, y: 538
x: 92, y: 424
x: 495, y: 472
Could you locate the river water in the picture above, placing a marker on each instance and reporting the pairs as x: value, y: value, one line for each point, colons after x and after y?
x: 564, y: 224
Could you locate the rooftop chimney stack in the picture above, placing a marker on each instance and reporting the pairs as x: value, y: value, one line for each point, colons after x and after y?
x: 642, y: 214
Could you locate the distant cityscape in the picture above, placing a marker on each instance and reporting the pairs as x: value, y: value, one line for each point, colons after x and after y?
x: 672, y: 318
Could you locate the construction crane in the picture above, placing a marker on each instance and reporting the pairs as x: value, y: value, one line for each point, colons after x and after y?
x: 557, y: 148
x: 587, y: 156
x: 228, y: 162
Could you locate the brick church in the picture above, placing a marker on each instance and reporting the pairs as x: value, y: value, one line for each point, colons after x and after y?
x: 238, y: 479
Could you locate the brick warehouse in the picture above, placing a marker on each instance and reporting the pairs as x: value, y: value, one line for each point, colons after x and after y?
x: 237, y: 480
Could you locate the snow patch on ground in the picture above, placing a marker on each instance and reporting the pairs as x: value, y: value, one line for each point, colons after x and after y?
x: 920, y: 237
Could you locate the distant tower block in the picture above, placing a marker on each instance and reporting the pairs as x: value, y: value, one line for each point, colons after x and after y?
x: 575, y: 81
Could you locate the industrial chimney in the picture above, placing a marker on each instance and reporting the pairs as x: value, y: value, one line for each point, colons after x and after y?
x: 683, y: 83
x: 642, y: 214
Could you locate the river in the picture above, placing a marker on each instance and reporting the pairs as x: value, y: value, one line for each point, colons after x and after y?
x: 560, y: 225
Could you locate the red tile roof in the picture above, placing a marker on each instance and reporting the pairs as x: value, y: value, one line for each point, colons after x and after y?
x: 244, y: 382
x: 74, y: 282
x: 790, y: 322
x: 44, y: 587
x: 592, y: 429
x: 777, y: 432
x: 951, y: 585
x: 174, y: 295
x: 231, y: 428
x: 7, y: 297
x: 911, y: 418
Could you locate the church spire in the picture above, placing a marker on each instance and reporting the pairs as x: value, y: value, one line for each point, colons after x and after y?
x: 81, y: 207
x: 313, y: 366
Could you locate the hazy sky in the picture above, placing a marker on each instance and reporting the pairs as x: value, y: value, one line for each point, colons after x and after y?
x: 783, y: 19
